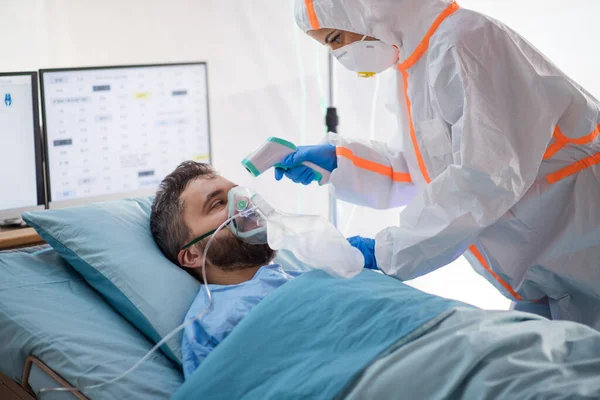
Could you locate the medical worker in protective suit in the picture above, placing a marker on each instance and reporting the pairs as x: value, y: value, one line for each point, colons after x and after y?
x: 500, y: 154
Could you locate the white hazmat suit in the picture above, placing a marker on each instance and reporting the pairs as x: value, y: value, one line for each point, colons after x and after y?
x: 500, y: 159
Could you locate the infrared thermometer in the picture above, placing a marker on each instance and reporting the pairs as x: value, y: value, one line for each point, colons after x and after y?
x: 270, y: 155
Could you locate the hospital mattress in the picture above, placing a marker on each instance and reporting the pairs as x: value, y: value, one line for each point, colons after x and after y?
x: 48, y: 311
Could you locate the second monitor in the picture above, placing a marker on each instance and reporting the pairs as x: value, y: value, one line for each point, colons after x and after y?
x: 114, y: 132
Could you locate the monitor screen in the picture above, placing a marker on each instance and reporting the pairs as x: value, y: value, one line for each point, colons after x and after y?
x: 115, y: 132
x: 21, y: 174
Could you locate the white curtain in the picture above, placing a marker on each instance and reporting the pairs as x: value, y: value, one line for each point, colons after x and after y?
x: 266, y: 78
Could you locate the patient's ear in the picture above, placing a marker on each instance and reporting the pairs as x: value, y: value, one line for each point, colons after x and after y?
x: 190, y: 258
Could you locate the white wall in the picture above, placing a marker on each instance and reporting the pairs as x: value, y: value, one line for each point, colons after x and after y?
x: 23, y: 43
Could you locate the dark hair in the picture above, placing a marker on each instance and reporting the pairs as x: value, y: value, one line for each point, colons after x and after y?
x: 166, y: 220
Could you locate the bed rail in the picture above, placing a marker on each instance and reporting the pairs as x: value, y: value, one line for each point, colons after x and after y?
x: 40, y: 364
x: 16, y: 238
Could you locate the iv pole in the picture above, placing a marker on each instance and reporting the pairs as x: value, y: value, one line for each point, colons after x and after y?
x: 331, y: 121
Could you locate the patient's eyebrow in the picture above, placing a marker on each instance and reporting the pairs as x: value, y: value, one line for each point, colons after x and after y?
x: 209, y: 197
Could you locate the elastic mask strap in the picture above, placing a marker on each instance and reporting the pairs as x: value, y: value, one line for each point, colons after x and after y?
x: 229, y: 220
x: 193, y: 242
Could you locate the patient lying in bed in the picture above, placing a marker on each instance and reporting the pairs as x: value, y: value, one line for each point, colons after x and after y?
x: 193, y: 201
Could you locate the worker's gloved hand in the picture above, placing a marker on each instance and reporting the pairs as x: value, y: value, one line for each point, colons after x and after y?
x: 367, y: 248
x: 291, y: 166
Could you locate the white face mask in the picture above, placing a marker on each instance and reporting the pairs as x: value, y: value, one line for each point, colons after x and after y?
x: 367, y: 57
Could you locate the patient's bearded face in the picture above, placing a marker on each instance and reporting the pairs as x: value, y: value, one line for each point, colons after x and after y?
x: 206, y: 209
x: 229, y: 253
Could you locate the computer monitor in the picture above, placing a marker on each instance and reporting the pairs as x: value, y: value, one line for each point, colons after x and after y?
x: 116, y: 132
x: 21, y: 171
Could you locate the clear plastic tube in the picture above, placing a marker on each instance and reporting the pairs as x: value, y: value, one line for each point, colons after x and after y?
x: 303, y: 97
x: 374, y: 108
x: 320, y: 84
x: 170, y: 335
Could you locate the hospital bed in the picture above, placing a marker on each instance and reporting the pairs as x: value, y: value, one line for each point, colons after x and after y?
x: 57, y: 331
x: 383, y: 340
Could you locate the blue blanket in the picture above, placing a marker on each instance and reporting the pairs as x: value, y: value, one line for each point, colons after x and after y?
x: 312, y: 337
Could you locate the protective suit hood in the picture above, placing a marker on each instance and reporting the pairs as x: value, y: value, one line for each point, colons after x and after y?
x: 403, y: 23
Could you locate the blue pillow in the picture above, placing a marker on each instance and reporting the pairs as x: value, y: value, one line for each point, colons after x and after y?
x: 111, y: 246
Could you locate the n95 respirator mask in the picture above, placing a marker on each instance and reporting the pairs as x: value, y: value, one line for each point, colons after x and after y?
x: 367, y: 57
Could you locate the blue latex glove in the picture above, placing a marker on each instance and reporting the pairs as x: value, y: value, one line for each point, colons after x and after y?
x: 367, y: 248
x: 323, y: 155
